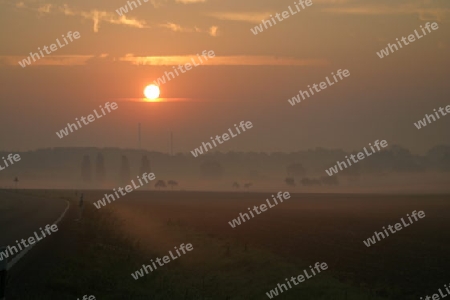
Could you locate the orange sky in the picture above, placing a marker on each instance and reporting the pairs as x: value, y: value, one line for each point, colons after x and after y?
x: 250, y: 78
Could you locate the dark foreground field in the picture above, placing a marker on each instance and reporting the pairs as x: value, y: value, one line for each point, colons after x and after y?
x: 97, y: 256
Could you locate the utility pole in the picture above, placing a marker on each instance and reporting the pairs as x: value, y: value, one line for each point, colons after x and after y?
x: 171, y: 143
x: 139, y: 136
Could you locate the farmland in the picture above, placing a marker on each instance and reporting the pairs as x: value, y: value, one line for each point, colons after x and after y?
x: 247, y: 261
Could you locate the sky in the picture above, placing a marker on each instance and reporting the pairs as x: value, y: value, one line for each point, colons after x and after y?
x: 250, y: 78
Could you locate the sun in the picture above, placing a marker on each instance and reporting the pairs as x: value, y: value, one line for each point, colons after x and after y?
x: 151, y: 92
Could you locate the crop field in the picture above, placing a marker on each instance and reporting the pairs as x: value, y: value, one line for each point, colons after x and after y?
x: 308, y: 228
x: 245, y: 262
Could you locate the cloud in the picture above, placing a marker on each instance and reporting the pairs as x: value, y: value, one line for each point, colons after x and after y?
x: 178, y: 28
x: 424, y: 13
x: 96, y: 16
x: 45, y: 8
x: 99, y: 16
x: 237, y: 60
x: 213, y: 30
x: 249, y: 17
x: 190, y: 1
x: 54, y: 60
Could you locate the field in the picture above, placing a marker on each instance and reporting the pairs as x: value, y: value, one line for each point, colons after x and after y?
x: 251, y: 259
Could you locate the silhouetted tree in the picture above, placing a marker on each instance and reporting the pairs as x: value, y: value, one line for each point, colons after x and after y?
x: 125, y: 174
x: 352, y: 173
x: 100, y: 172
x: 329, y: 180
x: 16, y: 181
x: 172, y: 183
x: 86, y: 169
x: 211, y: 170
x: 295, y: 170
x: 145, y: 165
x: 160, y: 184
x: 254, y: 175
x: 236, y: 185
x: 310, y: 182
x: 290, y: 181
x: 248, y: 185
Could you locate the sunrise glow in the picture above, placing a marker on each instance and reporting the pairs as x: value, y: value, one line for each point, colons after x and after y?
x: 152, y: 92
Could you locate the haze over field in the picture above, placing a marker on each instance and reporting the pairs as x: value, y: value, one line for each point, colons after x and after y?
x: 394, y: 169
x: 251, y: 78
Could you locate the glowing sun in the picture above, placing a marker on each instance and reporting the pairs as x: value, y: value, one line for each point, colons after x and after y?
x: 151, y: 92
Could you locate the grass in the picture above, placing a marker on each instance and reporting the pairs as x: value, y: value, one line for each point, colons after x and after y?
x: 100, y: 253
